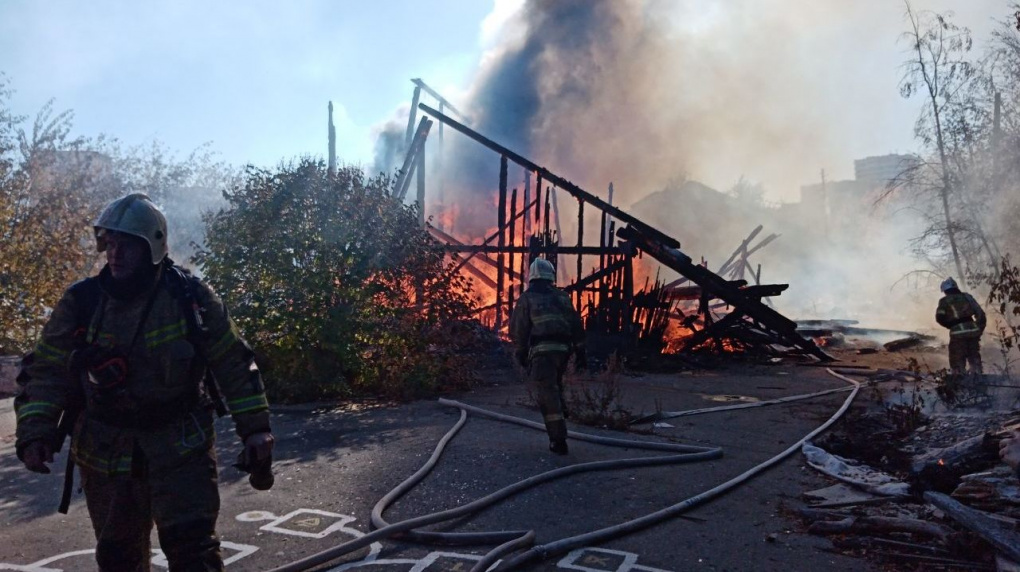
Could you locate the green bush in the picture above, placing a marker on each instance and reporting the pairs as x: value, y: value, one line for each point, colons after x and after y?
x: 335, y: 285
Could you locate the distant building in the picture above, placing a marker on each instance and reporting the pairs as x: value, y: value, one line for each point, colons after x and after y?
x: 845, y: 199
x: 879, y: 171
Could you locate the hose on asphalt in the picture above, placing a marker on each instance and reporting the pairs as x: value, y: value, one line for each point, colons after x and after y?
x: 602, y: 535
x: 662, y: 415
x: 508, y: 540
x: 511, y: 541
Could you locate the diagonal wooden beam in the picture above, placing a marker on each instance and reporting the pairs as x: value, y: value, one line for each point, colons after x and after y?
x: 550, y: 177
x: 717, y: 286
x: 404, y: 179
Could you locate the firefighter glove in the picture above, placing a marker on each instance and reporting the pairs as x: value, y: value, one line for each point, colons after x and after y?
x: 36, y: 455
x: 256, y: 459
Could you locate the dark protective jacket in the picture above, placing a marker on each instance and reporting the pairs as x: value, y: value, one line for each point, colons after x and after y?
x: 961, y: 314
x: 544, y: 320
x: 160, y: 409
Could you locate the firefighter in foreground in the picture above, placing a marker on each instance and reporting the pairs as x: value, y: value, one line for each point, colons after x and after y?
x: 121, y: 349
x: 960, y: 313
x: 545, y: 329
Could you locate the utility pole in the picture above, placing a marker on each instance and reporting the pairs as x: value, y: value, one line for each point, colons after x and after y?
x: 332, y: 143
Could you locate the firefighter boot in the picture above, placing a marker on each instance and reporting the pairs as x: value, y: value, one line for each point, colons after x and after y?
x: 557, y: 436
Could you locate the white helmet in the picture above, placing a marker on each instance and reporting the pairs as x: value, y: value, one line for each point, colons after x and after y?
x: 541, y: 269
x: 948, y: 284
x: 136, y: 215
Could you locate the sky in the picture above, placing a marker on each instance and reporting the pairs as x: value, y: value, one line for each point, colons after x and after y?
x: 814, y: 81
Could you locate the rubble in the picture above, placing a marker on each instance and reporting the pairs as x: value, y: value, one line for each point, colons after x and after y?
x: 963, y: 503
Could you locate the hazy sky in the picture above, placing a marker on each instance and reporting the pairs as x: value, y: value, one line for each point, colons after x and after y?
x: 253, y: 76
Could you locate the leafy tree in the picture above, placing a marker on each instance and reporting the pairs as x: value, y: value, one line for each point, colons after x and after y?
x: 43, y: 223
x: 53, y: 185
x: 321, y: 273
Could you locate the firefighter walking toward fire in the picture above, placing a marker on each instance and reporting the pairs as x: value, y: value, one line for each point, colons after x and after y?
x: 124, y: 359
x: 546, y: 329
x: 960, y: 313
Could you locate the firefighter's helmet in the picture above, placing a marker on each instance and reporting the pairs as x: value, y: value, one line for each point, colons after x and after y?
x: 136, y: 215
x: 541, y: 269
x: 948, y: 284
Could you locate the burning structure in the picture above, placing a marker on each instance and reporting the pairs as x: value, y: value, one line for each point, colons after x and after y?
x: 729, y: 312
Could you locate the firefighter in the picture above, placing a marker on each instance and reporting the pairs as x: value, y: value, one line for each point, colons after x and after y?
x: 144, y: 439
x: 545, y: 330
x: 960, y: 313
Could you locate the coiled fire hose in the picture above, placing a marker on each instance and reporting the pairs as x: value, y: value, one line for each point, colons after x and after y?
x: 510, y: 541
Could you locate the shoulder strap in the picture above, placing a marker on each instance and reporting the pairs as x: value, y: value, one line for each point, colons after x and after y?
x: 184, y: 286
x: 87, y: 296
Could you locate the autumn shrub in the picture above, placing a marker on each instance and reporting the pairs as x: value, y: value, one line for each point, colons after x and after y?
x: 336, y: 285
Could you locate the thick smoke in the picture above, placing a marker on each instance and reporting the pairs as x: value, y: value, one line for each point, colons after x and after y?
x: 650, y: 94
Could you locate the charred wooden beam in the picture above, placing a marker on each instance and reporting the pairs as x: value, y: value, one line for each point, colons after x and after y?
x: 743, y: 246
x: 538, y: 199
x: 513, y: 240
x: 453, y: 245
x: 420, y: 199
x: 580, y: 284
x: 754, y: 291
x: 404, y: 179
x: 782, y: 326
x: 713, y: 330
x: 481, y: 276
x: 501, y: 241
x: 540, y: 250
x: 442, y: 100
x: 490, y: 238
x: 628, y: 289
x: 764, y: 290
x: 997, y: 533
x: 765, y: 242
x: 560, y: 271
x: 412, y: 116
x: 548, y: 207
x: 553, y: 178
x: 527, y: 203
x: 580, y: 243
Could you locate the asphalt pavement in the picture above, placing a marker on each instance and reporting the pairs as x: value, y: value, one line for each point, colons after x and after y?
x: 334, y: 462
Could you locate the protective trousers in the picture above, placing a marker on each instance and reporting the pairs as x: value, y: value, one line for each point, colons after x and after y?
x: 546, y: 375
x: 964, y: 351
x: 124, y: 508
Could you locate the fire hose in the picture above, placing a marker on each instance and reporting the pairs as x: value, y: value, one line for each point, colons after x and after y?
x: 511, y: 541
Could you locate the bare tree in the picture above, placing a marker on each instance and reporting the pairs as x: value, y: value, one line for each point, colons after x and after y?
x: 939, y: 69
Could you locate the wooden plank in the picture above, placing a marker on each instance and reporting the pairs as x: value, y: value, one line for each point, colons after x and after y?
x: 403, y: 181
x: 595, y: 276
x: 501, y: 242
x: 996, y: 533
